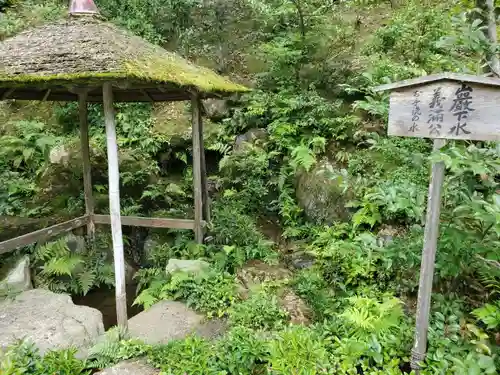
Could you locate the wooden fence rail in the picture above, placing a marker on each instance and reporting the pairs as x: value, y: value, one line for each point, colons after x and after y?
x: 57, y: 229
x: 42, y: 234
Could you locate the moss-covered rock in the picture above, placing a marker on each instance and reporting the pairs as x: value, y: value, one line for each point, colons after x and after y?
x: 323, y: 198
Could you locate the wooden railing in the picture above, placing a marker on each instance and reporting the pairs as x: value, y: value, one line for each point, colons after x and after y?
x: 45, y: 234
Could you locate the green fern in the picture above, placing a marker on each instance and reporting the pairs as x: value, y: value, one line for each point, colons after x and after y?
x: 367, y: 316
x: 65, y: 265
x: 53, y: 249
x: 114, y: 347
x: 303, y: 157
x: 146, y: 299
x: 86, y: 280
x: 60, y: 270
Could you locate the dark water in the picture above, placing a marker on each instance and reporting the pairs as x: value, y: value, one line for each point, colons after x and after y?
x: 103, y: 299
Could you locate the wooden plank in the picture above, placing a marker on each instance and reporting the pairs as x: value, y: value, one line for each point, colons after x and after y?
x: 42, y: 234
x: 204, y: 179
x: 114, y: 207
x: 87, y: 175
x: 431, y: 235
x: 46, y: 95
x: 481, y: 80
x: 449, y: 110
x: 149, y: 222
x: 197, y: 183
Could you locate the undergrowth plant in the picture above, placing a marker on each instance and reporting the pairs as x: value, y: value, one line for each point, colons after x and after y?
x: 208, y: 292
x: 60, y: 269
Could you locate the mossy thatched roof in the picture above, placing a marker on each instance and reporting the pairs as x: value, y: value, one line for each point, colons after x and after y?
x: 52, y: 61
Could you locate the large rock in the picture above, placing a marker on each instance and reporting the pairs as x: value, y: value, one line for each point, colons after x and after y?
x: 76, y: 244
x: 216, y: 109
x: 132, y: 367
x: 60, y: 154
x: 250, y: 137
x: 296, y: 307
x: 301, y: 260
x: 170, y: 320
x: 18, y: 277
x: 256, y: 272
x: 49, y: 320
x: 191, y: 266
x: 150, y: 244
x: 321, y: 195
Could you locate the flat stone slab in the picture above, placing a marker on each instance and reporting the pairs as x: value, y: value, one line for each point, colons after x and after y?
x: 171, y: 320
x: 133, y: 367
x: 50, y: 321
x: 164, y: 321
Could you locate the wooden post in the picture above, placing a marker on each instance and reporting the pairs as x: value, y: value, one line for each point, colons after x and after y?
x: 492, y: 36
x: 428, y: 258
x: 197, y: 179
x: 114, y: 207
x: 87, y: 177
x: 204, y: 179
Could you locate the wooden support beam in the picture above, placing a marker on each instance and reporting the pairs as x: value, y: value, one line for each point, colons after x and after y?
x: 114, y: 207
x: 87, y: 174
x: 7, y: 93
x: 46, y: 95
x: 197, y: 182
x: 147, y: 96
x: 149, y: 222
x: 204, y: 179
x: 42, y: 234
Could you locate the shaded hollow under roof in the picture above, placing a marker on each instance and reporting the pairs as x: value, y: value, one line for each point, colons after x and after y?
x: 53, y: 61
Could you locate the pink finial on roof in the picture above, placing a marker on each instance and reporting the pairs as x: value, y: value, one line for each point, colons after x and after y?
x: 83, y: 7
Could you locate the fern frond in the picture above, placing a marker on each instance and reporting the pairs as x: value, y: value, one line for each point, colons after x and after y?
x: 51, y: 250
x: 86, y: 280
x: 61, y: 266
x: 146, y: 299
x: 303, y: 157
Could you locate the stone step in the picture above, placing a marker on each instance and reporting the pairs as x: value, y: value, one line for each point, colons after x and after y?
x: 170, y: 320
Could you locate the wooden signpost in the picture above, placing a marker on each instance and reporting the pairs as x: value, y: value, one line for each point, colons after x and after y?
x: 442, y: 106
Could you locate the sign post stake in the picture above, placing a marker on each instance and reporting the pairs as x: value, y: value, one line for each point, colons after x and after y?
x: 440, y: 107
x: 431, y: 235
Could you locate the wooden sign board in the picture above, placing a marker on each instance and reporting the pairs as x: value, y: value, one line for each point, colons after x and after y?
x: 441, y: 106
x: 446, y: 109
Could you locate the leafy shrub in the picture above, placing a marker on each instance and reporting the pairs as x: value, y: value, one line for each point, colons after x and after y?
x: 114, y: 347
x: 260, y: 311
x: 298, y: 350
x: 458, y: 348
x: 24, y: 358
x: 209, y: 292
x: 489, y: 314
x: 241, y: 351
x: 193, y: 356
x: 312, y: 287
x: 59, y: 269
x: 349, y: 263
x: 246, y: 173
x: 239, y: 233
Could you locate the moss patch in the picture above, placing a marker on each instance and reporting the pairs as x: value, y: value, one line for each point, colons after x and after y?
x: 87, y: 50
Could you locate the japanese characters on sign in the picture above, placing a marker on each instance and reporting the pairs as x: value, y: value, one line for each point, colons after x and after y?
x: 451, y: 110
x: 436, y: 112
x: 461, y: 108
x: 416, y: 113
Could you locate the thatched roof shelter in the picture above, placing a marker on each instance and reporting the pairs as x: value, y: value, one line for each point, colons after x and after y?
x: 86, y: 59
x: 85, y: 51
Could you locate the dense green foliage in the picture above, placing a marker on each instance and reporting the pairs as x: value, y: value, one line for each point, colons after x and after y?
x: 313, y: 124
